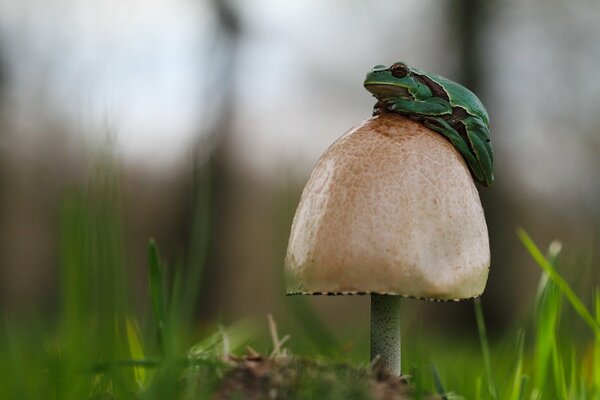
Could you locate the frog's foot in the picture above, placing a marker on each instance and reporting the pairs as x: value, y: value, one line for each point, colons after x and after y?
x: 380, y: 107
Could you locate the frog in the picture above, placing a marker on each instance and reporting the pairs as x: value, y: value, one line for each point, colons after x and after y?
x: 441, y: 105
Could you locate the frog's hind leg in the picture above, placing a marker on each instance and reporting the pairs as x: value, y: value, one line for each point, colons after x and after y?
x: 441, y: 126
x: 479, y: 138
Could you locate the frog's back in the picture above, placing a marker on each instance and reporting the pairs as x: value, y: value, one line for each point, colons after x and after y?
x: 460, y: 96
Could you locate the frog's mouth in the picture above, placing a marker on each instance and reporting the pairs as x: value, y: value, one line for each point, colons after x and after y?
x: 386, y: 91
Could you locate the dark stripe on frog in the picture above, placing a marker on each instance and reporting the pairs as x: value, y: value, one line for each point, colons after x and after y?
x: 455, y: 119
x: 458, y: 113
x: 436, y: 89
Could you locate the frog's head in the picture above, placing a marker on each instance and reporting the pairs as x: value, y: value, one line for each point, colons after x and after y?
x: 395, y: 81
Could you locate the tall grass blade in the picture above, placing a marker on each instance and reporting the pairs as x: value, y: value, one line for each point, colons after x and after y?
x: 200, y: 237
x: 478, y: 385
x: 524, y: 380
x: 573, y: 386
x: 548, y: 307
x: 76, y: 344
x: 158, y: 296
x: 437, y: 382
x: 558, y: 370
x: 93, y: 291
x: 136, y: 349
x: 485, y: 349
x: 517, y: 386
x: 558, y: 280
x: 17, y: 382
x: 596, y: 360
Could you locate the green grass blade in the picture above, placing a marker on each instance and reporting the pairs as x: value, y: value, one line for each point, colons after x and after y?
x: 524, y: 380
x: 517, y: 386
x: 201, y: 235
x: 558, y: 280
x: 485, y: 349
x: 94, y: 291
x: 559, y: 372
x: 157, y: 292
x: 437, y: 382
x: 478, y: 385
x: 596, y: 360
x: 573, y: 387
x: 17, y: 383
x: 136, y: 349
x: 548, y: 307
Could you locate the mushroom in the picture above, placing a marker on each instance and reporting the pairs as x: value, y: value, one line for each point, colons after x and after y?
x: 390, y: 210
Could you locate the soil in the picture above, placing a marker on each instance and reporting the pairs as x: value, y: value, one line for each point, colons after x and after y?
x: 255, y: 377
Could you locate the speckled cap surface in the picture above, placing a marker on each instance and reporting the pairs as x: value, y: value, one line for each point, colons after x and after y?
x: 389, y: 208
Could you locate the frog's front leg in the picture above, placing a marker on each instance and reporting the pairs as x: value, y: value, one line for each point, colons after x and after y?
x: 479, y: 136
x: 379, y: 107
x: 441, y: 126
x: 430, y: 106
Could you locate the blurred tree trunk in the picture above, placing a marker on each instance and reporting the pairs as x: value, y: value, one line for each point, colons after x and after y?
x: 473, y: 19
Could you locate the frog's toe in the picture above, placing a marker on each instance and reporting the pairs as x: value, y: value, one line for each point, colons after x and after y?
x: 391, y: 106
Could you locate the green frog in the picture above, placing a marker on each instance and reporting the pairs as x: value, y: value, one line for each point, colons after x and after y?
x: 441, y: 105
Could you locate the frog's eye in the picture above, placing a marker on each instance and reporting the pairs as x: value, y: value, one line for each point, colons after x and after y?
x: 399, y: 70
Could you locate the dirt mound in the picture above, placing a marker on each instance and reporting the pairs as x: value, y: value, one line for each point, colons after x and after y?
x: 257, y: 377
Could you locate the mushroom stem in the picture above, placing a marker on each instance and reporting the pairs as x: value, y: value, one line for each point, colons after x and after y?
x: 385, y: 330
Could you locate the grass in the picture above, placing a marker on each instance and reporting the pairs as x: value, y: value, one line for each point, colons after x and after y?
x: 100, y: 347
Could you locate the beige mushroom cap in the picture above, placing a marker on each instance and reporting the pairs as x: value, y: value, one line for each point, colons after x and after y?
x: 390, y: 208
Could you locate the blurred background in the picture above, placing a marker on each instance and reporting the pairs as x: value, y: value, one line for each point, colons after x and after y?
x: 210, y: 114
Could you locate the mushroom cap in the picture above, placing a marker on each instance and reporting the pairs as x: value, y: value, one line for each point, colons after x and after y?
x: 390, y: 208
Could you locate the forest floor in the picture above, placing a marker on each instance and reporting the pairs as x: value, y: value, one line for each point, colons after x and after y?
x: 254, y: 376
